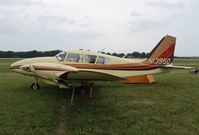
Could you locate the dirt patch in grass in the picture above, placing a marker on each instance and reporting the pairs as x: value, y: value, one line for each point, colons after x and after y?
x: 62, y: 128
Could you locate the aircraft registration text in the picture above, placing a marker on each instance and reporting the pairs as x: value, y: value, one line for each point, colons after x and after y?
x: 159, y: 61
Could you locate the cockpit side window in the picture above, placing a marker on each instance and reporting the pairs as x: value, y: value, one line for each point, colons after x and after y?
x: 102, y: 60
x: 74, y: 57
x: 61, y: 56
x: 90, y: 58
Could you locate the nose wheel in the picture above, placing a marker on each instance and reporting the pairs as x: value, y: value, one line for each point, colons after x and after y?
x: 35, y: 85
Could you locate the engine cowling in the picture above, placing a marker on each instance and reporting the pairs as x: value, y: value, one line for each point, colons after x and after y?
x: 47, y: 70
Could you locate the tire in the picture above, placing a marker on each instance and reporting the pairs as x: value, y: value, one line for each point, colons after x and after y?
x: 35, y: 86
x: 83, y: 91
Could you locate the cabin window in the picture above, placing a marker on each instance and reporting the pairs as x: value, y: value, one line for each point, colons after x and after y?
x: 61, y: 56
x: 90, y: 58
x: 74, y: 57
x: 106, y: 61
x: 102, y: 60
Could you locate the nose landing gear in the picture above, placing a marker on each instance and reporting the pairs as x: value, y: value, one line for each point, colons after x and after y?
x: 35, y: 85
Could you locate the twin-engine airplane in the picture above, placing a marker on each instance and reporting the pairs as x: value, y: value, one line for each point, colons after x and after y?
x: 78, y: 69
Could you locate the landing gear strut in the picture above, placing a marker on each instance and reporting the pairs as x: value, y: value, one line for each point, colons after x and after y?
x: 35, y: 85
x: 72, y: 96
x: 91, y: 90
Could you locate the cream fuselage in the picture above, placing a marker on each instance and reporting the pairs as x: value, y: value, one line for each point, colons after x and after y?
x: 49, y: 68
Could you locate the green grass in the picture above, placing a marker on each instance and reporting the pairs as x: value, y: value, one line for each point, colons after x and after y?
x: 168, y: 107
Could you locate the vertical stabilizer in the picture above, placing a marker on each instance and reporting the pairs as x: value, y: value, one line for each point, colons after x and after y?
x: 163, y: 53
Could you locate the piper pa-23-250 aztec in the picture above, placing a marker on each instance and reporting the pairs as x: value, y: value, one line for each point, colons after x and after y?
x: 78, y: 69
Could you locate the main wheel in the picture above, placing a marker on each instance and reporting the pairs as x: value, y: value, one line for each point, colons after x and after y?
x: 35, y: 86
x: 82, y: 90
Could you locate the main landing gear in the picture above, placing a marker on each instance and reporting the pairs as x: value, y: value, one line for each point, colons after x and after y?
x: 35, y: 85
x: 83, y: 90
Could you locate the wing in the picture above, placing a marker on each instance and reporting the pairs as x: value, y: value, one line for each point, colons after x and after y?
x: 88, y: 75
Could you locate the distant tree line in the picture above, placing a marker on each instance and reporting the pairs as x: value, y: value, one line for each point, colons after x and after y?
x: 34, y: 53
x: 129, y: 55
x: 28, y: 54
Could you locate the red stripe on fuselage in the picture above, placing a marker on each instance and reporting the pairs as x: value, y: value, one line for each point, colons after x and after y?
x: 102, y: 67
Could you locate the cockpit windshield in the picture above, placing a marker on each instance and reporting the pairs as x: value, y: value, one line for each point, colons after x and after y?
x: 61, y: 56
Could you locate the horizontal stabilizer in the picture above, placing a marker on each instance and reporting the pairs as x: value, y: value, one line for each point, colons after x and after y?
x: 177, y: 67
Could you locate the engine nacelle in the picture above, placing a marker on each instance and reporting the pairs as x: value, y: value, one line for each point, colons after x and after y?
x: 48, y: 71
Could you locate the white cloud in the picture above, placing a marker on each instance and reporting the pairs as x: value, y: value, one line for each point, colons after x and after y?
x: 121, y: 26
x: 166, y: 4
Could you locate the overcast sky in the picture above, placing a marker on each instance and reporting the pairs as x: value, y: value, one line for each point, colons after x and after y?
x: 116, y: 25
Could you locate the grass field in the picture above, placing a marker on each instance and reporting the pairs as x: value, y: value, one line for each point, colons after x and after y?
x: 168, y: 107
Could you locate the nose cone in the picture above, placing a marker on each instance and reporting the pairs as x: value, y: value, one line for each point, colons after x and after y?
x: 20, y: 67
x: 15, y: 65
x: 18, y: 64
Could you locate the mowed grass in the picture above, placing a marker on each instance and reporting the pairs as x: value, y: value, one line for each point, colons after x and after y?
x: 168, y: 107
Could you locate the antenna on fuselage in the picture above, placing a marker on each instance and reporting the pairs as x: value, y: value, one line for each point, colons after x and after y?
x: 125, y: 56
x: 101, y: 50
